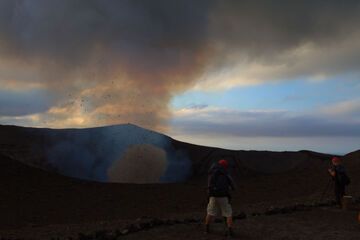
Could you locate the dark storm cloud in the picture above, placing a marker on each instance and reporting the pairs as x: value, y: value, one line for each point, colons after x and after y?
x: 131, y: 57
x: 143, y: 35
x: 260, y: 27
x: 259, y: 41
x: 136, y: 29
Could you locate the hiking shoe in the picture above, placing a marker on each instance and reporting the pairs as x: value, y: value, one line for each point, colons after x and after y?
x: 207, y: 228
x: 229, y: 232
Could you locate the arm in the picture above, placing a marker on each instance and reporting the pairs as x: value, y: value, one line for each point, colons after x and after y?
x: 332, y: 172
x: 231, y: 182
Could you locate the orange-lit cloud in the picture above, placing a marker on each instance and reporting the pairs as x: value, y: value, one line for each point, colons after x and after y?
x: 109, y: 62
x: 106, y: 62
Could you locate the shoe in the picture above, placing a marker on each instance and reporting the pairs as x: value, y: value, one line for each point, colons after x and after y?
x: 207, y: 228
x: 229, y: 232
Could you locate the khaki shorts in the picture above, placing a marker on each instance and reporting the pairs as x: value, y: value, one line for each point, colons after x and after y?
x: 219, y: 205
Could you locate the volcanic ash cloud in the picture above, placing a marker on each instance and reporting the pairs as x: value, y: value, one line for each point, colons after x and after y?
x: 102, y: 62
x: 142, y: 163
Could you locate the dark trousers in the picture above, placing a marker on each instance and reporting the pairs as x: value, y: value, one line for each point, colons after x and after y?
x: 339, y: 192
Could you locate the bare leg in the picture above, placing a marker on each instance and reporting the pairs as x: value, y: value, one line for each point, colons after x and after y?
x: 208, y: 220
x: 229, y: 221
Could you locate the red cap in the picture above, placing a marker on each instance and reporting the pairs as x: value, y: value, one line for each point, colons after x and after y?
x: 335, y: 160
x: 223, y: 163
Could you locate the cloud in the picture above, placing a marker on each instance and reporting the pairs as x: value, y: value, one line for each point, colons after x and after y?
x: 346, y: 109
x: 262, y: 41
x: 20, y: 103
x: 309, y: 60
x: 126, y: 58
x: 122, y: 61
x: 219, y: 122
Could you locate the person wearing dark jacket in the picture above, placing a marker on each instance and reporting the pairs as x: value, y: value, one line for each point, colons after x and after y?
x: 219, y: 185
x: 338, y: 173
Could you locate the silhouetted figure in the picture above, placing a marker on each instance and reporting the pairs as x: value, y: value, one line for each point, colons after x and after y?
x: 219, y: 184
x: 338, y: 173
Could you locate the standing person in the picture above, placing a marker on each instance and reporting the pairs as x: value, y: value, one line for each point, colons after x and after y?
x: 219, y: 184
x: 338, y: 173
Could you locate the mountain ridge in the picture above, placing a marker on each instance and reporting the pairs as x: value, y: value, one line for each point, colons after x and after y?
x: 89, y: 153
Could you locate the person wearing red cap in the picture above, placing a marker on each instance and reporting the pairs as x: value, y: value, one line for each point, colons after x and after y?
x: 338, y: 173
x: 219, y: 184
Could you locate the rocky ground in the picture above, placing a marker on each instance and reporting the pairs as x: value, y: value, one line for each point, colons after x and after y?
x: 286, y: 204
x: 303, y: 222
x: 322, y: 223
x: 36, y: 204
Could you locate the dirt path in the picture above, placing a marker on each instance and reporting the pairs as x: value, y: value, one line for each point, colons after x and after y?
x: 324, y: 223
x: 328, y: 223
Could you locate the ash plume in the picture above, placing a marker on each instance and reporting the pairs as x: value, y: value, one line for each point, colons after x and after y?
x: 139, y: 164
x: 108, y: 62
x: 104, y: 61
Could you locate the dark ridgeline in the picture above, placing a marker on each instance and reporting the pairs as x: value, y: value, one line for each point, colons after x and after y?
x: 89, y: 153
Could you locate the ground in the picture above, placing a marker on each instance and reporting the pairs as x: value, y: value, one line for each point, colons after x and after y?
x: 328, y: 223
x: 38, y: 204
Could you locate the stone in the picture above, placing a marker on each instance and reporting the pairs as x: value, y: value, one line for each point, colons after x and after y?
x: 347, y: 203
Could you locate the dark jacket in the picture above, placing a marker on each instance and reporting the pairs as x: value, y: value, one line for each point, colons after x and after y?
x: 219, y: 182
x: 341, y: 177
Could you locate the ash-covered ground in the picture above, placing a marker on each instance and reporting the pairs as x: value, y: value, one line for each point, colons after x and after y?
x: 280, y: 203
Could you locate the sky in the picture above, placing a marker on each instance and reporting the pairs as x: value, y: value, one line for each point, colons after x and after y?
x: 262, y: 75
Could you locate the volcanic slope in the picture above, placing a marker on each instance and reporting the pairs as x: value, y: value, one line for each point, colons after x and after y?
x: 37, y: 204
x: 92, y: 153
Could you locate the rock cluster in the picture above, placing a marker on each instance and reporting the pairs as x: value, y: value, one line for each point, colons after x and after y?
x: 139, y: 225
x: 145, y: 223
x: 297, y: 207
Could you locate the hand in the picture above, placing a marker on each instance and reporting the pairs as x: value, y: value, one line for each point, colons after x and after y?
x: 332, y: 172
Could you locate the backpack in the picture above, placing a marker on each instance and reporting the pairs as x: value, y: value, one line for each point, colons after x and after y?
x: 341, y: 176
x: 344, y: 179
x: 219, y: 184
